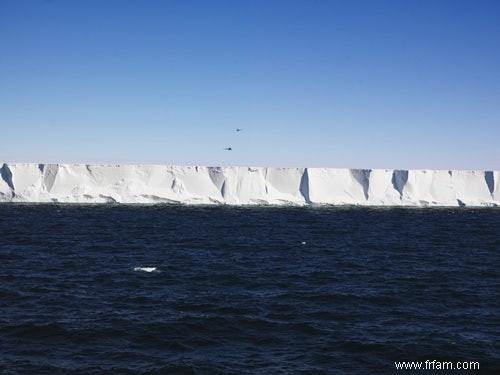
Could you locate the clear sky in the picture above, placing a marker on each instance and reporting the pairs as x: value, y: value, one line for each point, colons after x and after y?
x: 362, y: 84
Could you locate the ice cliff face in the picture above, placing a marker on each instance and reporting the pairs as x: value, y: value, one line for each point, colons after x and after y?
x: 78, y: 183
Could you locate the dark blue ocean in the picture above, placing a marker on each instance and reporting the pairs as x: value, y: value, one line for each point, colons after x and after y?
x: 261, y: 290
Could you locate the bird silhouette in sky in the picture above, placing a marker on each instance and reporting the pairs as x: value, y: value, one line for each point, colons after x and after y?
x: 239, y: 130
x: 228, y: 149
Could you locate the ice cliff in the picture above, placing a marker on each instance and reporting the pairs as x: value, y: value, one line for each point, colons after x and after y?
x: 79, y: 183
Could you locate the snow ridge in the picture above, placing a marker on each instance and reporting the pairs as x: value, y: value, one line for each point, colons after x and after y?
x: 80, y: 183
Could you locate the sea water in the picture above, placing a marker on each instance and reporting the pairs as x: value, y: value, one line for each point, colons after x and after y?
x: 179, y: 289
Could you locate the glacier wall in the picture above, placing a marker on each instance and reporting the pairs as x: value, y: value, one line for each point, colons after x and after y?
x: 80, y: 183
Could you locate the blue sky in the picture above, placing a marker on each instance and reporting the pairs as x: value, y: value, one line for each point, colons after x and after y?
x: 364, y: 84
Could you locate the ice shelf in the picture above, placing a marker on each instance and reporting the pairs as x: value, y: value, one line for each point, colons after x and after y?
x: 81, y: 183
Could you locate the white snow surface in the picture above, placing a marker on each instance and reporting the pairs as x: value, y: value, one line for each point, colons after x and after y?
x: 80, y: 183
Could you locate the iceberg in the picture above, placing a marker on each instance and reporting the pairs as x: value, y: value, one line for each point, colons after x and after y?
x: 145, y: 269
x: 82, y: 183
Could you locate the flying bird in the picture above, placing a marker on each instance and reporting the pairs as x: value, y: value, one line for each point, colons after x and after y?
x: 239, y: 130
x: 228, y: 149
